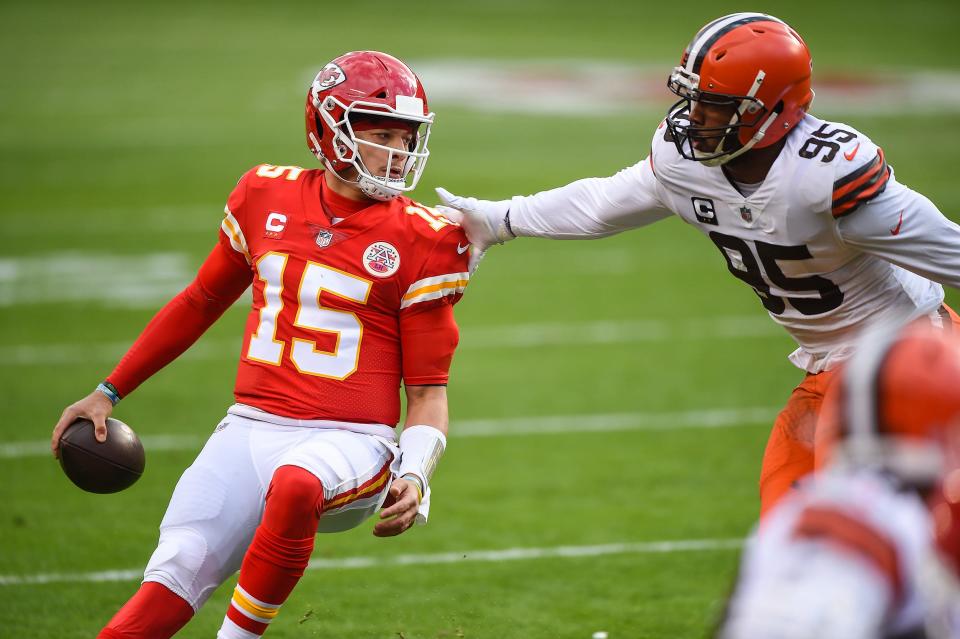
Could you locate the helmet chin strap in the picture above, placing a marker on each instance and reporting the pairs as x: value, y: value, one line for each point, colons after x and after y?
x: 377, y: 190
x: 762, y: 131
x: 371, y: 188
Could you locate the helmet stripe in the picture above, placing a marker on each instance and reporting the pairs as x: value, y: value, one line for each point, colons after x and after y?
x: 709, y: 35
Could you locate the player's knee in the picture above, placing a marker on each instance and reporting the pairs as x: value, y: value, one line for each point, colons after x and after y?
x: 295, y: 495
x: 179, y: 563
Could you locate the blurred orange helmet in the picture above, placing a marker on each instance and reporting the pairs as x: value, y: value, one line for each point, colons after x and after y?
x: 895, y: 405
x: 752, y: 61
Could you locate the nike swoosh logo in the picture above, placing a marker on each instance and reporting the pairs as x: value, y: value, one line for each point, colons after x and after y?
x: 462, y: 249
x: 896, y: 230
x: 852, y: 154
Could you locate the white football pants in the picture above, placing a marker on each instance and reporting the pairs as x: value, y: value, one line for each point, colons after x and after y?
x: 219, y: 500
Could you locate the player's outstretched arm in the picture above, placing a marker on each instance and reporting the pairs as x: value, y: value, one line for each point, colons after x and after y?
x: 96, y: 407
x: 587, y: 209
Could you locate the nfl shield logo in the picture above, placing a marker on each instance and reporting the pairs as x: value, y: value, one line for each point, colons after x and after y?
x: 746, y: 214
x: 324, y: 237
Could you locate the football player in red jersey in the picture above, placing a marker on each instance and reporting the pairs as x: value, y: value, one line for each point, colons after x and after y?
x: 353, y: 293
x: 806, y: 212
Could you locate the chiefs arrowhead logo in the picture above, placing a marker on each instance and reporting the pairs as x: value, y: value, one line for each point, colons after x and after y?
x: 329, y: 77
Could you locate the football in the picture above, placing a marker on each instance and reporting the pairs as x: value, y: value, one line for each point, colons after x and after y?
x: 106, y: 467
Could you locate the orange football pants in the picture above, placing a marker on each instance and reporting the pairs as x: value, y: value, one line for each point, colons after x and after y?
x: 789, y: 453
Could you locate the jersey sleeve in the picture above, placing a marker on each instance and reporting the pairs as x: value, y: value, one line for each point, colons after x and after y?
x: 428, y: 338
x: 810, y: 568
x: 234, y: 214
x: 442, y: 276
x: 861, y: 174
x: 593, y: 207
x: 905, y: 228
x: 428, y: 331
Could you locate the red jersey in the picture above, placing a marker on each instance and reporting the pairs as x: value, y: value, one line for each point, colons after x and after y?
x: 323, y: 338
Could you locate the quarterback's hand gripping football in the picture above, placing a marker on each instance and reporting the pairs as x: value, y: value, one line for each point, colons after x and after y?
x: 95, y: 407
x: 484, y: 221
x: 399, y: 509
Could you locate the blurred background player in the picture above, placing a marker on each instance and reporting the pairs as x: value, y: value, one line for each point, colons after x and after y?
x: 806, y: 212
x: 851, y: 553
x: 353, y: 292
x: 939, y: 582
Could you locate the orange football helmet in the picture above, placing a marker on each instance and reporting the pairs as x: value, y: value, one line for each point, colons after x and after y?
x: 753, y: 62
x: 895, y: 406
x: 363, y: 85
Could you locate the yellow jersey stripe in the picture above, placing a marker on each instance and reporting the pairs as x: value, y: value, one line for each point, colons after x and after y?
x: 456, y: 284
x: 231, y: 228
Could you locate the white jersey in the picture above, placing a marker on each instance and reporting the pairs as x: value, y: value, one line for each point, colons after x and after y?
x: 841, y: 558
x: 827, y: 240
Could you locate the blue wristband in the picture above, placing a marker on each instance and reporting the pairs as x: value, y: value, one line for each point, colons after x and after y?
x: 110, y: 391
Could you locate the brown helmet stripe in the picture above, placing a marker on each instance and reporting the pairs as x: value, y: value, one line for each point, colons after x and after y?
x: 709, y: 35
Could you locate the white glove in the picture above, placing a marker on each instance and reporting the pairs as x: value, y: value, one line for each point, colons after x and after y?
x: 483, y: 221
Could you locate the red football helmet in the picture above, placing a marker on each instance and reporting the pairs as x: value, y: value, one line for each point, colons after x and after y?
x: 895, y: 406
x: 363, y: 85
x: 753, y: 62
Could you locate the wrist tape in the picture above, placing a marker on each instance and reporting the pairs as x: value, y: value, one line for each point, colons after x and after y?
x: 110, y: 391
x: 421, y: 447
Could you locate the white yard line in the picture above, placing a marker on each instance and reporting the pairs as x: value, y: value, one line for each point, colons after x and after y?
x: 427, y: 559
x: 510, y: 336
x: 516, y: 426
x: 129, y: 281
x: 575, y: 87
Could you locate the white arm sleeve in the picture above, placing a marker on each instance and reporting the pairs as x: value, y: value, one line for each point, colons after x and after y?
x: 591, y: 208
x: 922, y: 240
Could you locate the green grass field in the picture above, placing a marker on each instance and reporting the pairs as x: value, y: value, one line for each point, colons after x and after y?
x: 651, y: 374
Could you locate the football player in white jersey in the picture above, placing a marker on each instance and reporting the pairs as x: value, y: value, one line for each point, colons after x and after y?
x: 851, y: 553
x: 806, y: 212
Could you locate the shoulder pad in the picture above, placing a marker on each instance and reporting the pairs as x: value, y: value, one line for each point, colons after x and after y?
x: 271, y: 174
x: 860, y: 176
x: 424, y: 222
x: 858, y: 167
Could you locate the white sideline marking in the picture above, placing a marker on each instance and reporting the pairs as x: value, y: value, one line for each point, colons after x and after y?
x: 130, y: 281
x: 602, y: 423
x: 512, y: 336
x: 493, y: 556
x: 99, y: 221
